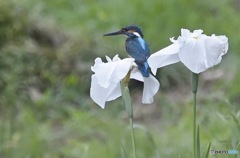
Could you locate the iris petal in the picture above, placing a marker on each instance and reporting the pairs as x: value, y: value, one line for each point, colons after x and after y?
x: 164, y: 57
x: 150, y: 86
x: 112, y: 72
x: 136, y: 74
x: 100, y: 94
x: 193, y: 54
x: 216, y: 47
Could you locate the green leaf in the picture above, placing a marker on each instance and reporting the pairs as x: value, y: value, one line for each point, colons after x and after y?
x: 208, y: 149
x: 127, y: 100
x: 236, y: 121
x: 124, y: 154
x: 149, y: 137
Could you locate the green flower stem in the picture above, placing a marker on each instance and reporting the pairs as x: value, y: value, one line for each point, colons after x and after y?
x: 133, y: 139
x: 198, y: 143
x: 194, y: 91
x: 129, y: 107
x: 194, y: 124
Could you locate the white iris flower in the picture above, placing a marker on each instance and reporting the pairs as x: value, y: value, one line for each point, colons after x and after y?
x: 195, y: 50
x: 105, y: 84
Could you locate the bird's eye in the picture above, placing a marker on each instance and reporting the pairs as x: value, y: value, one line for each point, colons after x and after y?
x: 124, y: 29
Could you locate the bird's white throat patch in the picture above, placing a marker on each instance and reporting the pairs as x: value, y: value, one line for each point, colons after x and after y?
x: 137, y: 34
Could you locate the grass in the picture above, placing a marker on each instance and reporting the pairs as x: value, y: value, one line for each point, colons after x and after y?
x: 47, y: 48
x: 97, y: 133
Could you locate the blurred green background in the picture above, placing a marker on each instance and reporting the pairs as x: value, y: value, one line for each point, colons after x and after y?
x: 47, y: 48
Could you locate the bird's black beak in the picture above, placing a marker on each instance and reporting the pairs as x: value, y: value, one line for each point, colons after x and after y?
x: 114, y: 33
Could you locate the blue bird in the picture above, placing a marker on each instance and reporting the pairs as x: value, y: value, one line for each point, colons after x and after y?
x: 135, y: 46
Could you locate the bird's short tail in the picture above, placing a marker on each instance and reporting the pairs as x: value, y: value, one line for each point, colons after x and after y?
x: 144, y: 68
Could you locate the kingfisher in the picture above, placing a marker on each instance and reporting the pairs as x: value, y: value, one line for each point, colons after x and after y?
x: 135, y: 46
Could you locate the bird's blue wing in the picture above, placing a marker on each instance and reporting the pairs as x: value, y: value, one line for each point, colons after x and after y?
x: 137, y: 49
